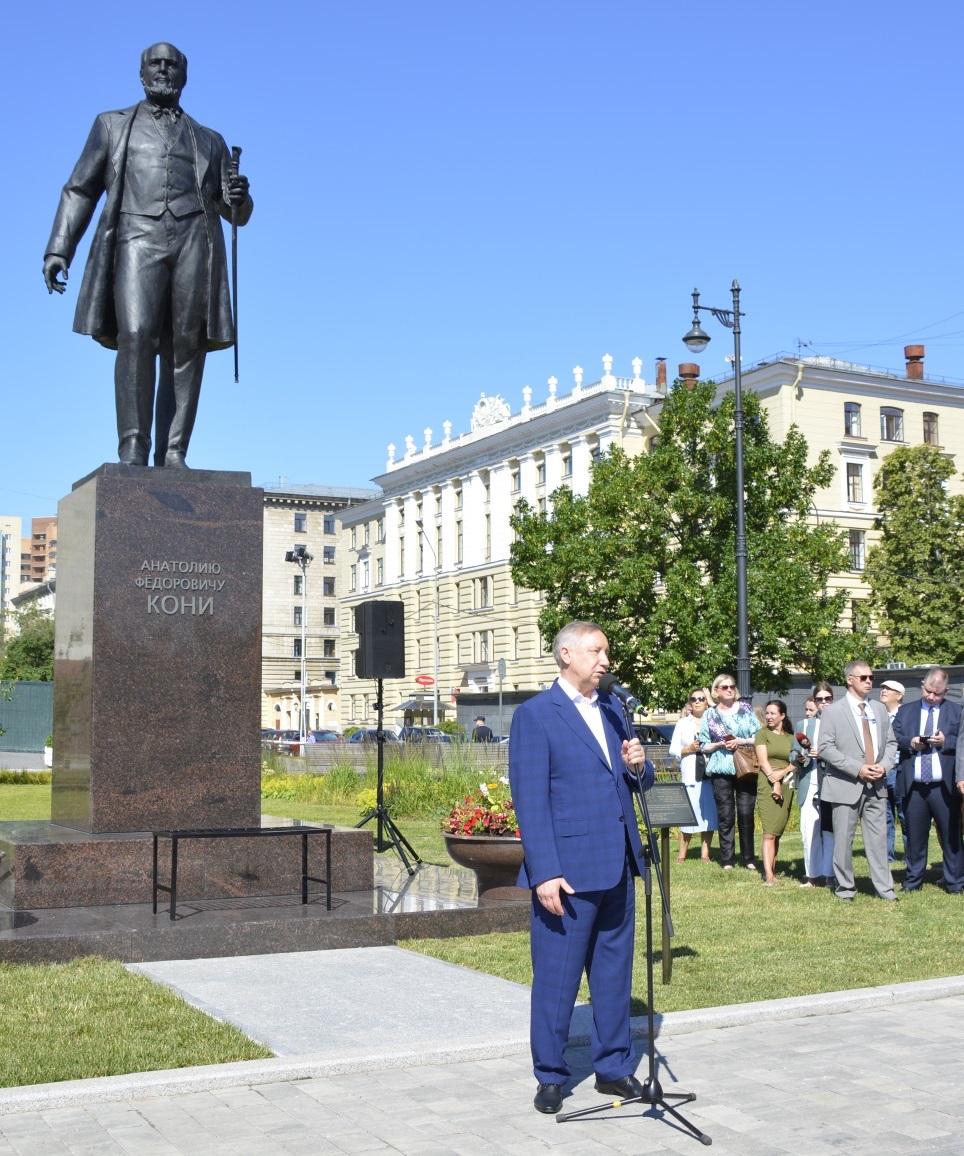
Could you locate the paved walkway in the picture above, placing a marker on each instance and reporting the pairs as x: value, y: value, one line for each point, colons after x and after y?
x: 874, y: 1072
x: 22, y: 760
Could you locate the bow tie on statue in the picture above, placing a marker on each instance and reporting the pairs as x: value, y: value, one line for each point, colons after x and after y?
x: 159, y: 110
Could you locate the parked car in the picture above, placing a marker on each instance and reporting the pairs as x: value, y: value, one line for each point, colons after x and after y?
x: 423, y: 735
x: 654, y: 734
x: 326, y: 736
x: 371, y: 736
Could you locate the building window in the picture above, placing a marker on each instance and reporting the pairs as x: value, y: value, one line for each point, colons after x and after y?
x: 930, y: 430
x: 328, y: 524
x: 328, y: 648
x: 515, y: 478
x: 458, y: 496
x: 851, y: 419
x: 328, y: 587
x: 299, y: 584
x: 891, y: 424
x: 296, y: 648
x: 379, y: 571
x: 381, y: 530
x: 541, y: 505
x: 541, y: 473
x: 855, y: 482
x: 354, y: 537
x: 296, y: 676
x: 488, y: 537
x: 365, y: 575
x: 352, y: 578
x: 298, y: 616
x: 857, y: 547
x: 301, y: 523
x: 368, y: 531
x: 328, y: 555
x: 485, y: 645
x: 458, y: 541
x: 567, y: 464
x: 482, y: 595
x: 328, y: 616
x: 331, y: 676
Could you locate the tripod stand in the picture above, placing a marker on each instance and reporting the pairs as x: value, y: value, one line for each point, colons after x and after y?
x: 385, y: 822
x: 653, y: 1093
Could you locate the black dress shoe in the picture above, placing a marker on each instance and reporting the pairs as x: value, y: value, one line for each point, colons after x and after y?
x: 131, y: 453
x: 548, y: 1098
x: 174, y: 460
x: 626, y: 1088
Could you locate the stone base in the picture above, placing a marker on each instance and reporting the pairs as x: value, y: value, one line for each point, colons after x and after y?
x: 45, y: 865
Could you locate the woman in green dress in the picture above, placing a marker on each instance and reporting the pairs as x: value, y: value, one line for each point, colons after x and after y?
x: 773, y: 744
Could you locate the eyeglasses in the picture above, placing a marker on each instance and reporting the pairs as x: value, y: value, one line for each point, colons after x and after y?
x: 697, y: 698
x: 863, y: 677
x: 726, y: 686
x: 824, y: 698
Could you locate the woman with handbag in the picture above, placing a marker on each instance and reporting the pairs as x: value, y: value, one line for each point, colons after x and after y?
x: 685, y: 746
x: 726, y: 728
x: 774, y: 743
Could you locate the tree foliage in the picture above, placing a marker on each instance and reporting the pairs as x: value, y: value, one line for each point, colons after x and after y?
x: 649, y: 553
x: 28, y: 655
x: 917, y: 567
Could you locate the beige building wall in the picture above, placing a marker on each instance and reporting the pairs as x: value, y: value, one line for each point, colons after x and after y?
x: 309, y: 516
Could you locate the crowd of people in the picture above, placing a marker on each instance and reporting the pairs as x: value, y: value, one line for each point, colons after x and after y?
x: 883, y: 763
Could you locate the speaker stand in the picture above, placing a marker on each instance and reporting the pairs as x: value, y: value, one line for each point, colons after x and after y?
x: 385, y: 823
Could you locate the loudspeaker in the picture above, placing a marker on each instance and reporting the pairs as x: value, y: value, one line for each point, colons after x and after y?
x: 380, y: 627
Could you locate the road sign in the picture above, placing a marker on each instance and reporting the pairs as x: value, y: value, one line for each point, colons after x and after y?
x: 424, y: 680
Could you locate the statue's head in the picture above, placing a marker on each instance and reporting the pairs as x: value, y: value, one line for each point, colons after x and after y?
x: 163, y: 72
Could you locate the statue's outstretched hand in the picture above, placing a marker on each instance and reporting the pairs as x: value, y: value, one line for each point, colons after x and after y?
x: 52, y: 266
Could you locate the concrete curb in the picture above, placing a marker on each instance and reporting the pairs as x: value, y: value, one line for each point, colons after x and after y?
x: 179, y: 1081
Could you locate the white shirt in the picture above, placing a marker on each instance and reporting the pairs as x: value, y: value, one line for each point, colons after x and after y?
x: 589, y: 709
x: 924, y: 729
x: 855, y: 705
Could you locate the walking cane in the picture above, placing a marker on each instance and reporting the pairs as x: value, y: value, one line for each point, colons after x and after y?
x: 235, y: 163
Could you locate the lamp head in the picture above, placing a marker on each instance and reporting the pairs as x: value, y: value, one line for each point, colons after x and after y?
x: 697, y: 339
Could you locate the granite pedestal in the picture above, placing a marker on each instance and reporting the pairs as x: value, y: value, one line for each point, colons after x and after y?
x: 157, y: 691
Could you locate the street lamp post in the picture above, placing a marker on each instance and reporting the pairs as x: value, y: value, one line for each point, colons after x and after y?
x: 696, y: 341
x: 300, y: 556
x: 421, y: 529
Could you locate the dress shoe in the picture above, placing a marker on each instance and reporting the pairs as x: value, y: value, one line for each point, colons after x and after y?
x: 626, y: 1088
x: 174, y: 460
x: 887, y: 898
x: 904, y: 888
x: 548, y: 1098
x: 131, y: 453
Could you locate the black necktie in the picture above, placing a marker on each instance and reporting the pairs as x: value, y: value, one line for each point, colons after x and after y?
x: 927, y: 755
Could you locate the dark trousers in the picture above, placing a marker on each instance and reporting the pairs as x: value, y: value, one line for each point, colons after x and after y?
x: 595, y: 934
x: 940, y: 802
x: 735, y: 799
x: 895, y: 815
x: 160, y: 297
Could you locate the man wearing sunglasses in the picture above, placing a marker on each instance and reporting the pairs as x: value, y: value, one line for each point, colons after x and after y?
x: 858, y: 748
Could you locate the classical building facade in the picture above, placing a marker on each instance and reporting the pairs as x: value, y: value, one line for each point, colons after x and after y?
x: 438, y: 537
x: 300, y: 607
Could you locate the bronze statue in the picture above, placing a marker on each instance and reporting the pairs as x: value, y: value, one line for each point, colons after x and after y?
x: 155, y: 284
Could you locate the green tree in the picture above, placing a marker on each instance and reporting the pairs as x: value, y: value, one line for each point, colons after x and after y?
x: 649, y: 553
x: 917, y: 567
x: 28, y: 655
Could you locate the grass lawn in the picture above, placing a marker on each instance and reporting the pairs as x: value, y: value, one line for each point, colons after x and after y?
x: 24, y: 801
x: 92, y: 1017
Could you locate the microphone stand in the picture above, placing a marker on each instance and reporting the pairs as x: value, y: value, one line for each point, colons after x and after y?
x: 653, y: 1093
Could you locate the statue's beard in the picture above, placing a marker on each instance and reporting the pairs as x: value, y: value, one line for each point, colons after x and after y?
x: 161, y: 90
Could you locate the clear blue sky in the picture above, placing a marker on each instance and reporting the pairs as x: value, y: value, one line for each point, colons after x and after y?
x: 471, y: 195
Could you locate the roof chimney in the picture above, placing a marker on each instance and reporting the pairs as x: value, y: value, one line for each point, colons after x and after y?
x: 661, y: 374
x: 915, y: 362
x: 689, y: 373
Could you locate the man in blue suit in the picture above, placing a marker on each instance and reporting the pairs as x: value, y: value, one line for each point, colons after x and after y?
x: 569, y: 766
x: 926, y: 733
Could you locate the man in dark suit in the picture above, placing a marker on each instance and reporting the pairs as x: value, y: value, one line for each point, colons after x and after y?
x: 858, y: 748
x: 156, y: 277
x: 569, y: 766
x: 926, y: 733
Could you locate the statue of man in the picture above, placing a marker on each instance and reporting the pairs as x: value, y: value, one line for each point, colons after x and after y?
x: 156, y: 283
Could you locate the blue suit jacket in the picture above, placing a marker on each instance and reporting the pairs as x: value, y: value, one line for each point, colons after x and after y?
x: 907, y: 726
x: 574, y: 811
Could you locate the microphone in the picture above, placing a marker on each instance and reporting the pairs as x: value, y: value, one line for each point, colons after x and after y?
x: 609, y: 685
x: 803, y: 740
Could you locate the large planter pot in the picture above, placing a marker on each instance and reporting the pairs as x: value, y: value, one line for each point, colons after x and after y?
x: 494, y: 859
